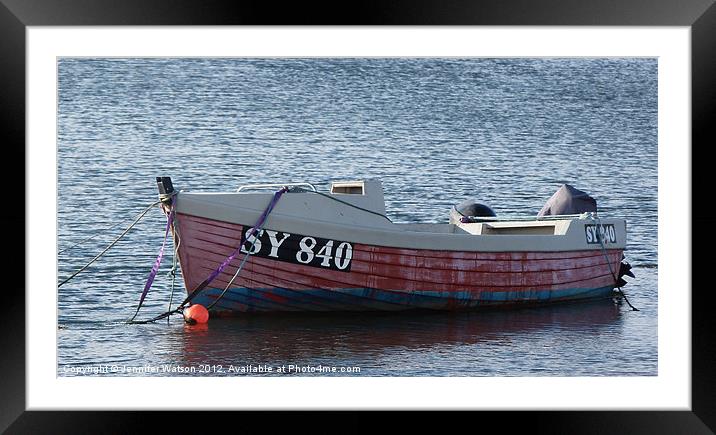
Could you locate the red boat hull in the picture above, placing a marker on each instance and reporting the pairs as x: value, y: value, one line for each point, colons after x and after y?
x: 385, y: 278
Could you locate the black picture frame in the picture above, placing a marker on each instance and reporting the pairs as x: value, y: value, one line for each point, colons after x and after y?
x: 699, y: 15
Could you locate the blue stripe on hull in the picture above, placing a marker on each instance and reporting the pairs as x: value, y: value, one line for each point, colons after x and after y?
x: 361, y: 299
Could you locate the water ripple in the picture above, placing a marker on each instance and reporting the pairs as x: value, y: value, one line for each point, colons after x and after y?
x: 507, y: 132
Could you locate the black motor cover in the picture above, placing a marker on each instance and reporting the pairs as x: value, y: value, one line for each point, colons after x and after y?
x: 472, y: 208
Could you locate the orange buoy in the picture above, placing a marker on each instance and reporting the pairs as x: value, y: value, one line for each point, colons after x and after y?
x: 196, y: 314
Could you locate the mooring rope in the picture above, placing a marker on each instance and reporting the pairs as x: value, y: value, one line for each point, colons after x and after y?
x: 97, y: 257
x: 611, y: 271
x: 158, y: 261
x: 106, y: 229
x: 173, y: 271
x: 259, y: 224
x: 256, y: 229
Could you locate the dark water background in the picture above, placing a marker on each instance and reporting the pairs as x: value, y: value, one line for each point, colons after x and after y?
x: 507, y: 132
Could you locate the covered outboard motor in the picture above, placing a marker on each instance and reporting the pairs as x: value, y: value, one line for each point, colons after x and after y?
x: 469, y: 209
x: 568, y: 200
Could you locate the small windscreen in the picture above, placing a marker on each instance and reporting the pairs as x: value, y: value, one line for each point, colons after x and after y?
x: 347, y: 188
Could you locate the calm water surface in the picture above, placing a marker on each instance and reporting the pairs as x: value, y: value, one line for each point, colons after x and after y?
x: 507, y: 132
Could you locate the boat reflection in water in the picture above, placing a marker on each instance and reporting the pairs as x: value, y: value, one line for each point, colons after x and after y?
x: 470, y: 343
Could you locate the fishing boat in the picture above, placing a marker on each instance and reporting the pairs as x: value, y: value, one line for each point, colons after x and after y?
x: 291, y: 247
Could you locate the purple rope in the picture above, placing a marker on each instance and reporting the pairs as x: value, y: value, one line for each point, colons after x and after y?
x: 158, y: 261
x: 230, y: 258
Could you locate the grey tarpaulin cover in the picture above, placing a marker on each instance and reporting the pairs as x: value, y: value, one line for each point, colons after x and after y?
x: 568, y: 200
